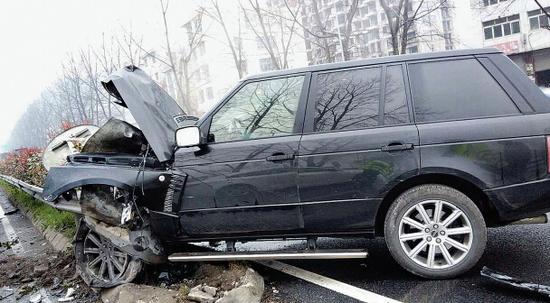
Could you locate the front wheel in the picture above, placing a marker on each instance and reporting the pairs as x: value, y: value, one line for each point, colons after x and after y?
x: 100, y: 263
x: 435, y: 231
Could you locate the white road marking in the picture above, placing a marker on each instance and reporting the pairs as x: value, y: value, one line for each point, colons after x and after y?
x: 334, y: 285
x: 10, y: 233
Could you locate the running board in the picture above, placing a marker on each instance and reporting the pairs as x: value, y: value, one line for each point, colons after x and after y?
x: 268, y: 255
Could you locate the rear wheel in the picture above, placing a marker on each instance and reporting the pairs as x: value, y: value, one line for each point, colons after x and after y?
x: 435, y: 231
x: 100, y: 263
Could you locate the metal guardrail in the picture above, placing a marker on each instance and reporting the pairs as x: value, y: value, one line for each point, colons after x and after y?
x: 36, y: 192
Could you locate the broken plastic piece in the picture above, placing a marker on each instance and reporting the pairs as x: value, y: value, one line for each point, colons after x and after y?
x: 514, y: 282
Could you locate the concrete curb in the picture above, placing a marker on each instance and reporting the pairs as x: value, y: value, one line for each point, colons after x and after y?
x: 58, y: 241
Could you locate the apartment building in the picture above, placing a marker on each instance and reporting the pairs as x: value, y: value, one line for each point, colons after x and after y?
x: 213, y: 66
x: 370, y: 33
x: 520, y: 29
x: 517, y: 27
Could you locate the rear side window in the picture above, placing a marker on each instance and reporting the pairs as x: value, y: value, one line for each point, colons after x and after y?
x: 347, y: 99
x: 458, y: 89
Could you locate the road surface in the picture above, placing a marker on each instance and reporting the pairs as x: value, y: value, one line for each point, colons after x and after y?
x: 521, y: 251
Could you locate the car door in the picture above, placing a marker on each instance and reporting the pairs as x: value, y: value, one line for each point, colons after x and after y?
x: 358, y: 143
x: 244, y: 180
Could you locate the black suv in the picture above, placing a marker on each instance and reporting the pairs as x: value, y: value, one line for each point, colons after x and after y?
x: 427, y: 150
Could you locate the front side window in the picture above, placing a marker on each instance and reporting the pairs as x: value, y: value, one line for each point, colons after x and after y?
x: 259, y: 110
x: 457, y: 89
x: 347, y: 99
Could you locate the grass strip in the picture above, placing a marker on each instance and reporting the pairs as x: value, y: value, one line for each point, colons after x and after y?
x: 60, y: 221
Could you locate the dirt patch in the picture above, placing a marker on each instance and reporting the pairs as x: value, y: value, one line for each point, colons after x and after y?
x: 54, y: 272
x: 222, y: 276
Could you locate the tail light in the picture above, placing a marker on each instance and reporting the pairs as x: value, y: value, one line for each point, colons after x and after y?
x: 548, y: 154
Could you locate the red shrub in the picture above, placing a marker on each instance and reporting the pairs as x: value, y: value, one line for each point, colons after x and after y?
x: 24, y: 164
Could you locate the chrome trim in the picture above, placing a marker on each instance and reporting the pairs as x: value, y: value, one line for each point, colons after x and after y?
x: 290, y: 255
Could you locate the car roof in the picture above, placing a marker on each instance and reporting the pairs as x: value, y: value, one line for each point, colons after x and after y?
x: 382, y: 60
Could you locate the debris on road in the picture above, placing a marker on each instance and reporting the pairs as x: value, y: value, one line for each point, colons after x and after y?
x: 515, y: 282
x: 129, y: 293
x: 197, y: 294
x: 205, y: 283
x: 68, y: 296
x: 8, y: 244
x: 250, y: 290
x: 43, y: 277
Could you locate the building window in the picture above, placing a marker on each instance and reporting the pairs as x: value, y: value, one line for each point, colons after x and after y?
x: 447, y: 25
x: 373, y: 35
x: 266, y: 64
x: 341, y: 19
x: 500, y: 27
x: 371, y: 6
x: 339, y: 6
x: 373, y: 20
x: 244, y: 67
x: 202, y: 48
x: 209, y: 93
x: 448, y: 41
x: 538, y: 19
x: 412, y: 49
x: 204, y: 72
x: 491, y: 2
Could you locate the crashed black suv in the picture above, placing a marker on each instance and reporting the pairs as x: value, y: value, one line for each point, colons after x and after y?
x: 427, y: 150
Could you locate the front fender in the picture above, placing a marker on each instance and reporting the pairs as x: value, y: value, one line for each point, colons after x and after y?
x: 64, y: 178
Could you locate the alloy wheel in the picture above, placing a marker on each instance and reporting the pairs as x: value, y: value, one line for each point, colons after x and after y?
x: 435, y: 234
x: 104, y: 260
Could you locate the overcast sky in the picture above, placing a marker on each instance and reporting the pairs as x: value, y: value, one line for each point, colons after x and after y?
x: 36, y: 37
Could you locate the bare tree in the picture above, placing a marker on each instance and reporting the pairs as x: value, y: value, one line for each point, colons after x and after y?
x: 318, y: 29
x: 235, y: 47
x: 403, y: 15
x: 195, y: 37
x: 76, y: 97
x: 274, y: 31
x: 172, y: 63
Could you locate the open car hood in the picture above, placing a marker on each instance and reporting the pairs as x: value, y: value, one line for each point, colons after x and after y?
x: 157, y: 114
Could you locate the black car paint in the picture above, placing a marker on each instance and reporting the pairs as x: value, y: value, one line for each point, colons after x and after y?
x: 64, y: 178
x: 339, y: 194
x: 337, y: 183
x: 156, y: 112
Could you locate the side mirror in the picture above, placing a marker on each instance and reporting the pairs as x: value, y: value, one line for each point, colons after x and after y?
x: 188, y: 136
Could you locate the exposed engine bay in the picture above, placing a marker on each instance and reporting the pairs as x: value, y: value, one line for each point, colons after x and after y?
x: 115, y: 203
x: 119, y: 177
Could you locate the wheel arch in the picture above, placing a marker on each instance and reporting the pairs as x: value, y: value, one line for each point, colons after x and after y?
x: 470, y: 187
x: 64, y: 178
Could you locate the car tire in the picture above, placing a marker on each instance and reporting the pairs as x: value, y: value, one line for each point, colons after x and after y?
x: 126, y: 270
x: 449, y: 244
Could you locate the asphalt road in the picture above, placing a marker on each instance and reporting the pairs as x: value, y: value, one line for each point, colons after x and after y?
x: 521, y: 251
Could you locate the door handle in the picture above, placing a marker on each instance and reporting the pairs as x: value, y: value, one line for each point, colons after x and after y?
x: 280, y: 157
x: 397, y: 147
